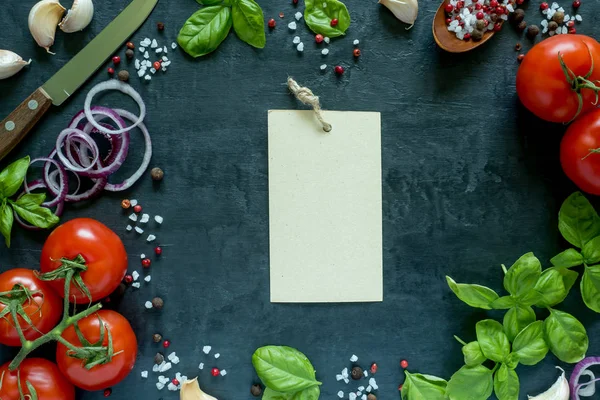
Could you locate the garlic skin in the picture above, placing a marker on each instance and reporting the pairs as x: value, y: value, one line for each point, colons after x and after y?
x: 405, y: 10
x: 190, y: 390
x: 43, y: 19
x: 558, y: 391
x: 10, y: 63
x: 78, y: 17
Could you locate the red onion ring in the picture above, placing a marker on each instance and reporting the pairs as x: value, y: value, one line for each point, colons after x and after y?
x: 70, y: 135
x: 582, y: 369
x: 62, y: 188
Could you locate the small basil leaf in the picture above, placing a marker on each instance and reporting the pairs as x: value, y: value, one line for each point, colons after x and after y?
x: 319, y: 13
x: 11, y: 178
x: 567, y: 259
x: 284, y: 369
x: 590, y: 287
x: 474, y: 295
x: 591, y: 251
x: 512, y: 360
x: 523, y: 275
x: 473, y: 383
x: 569, y: 277
x: 506, y: 384
x: 6, y: 222
x: 503, y: 303
x: 516, y: 319
x: 551, y: 289
x: 473, y: 354
x: 578, y: 222
x: 31, y: 212
x: 248, y: 23
x: 311, y: 393
x: 31, y: 199
x: 530, y: 344
x: 204, y: 31
x: 492, y: 340
x: 566, y: 336
x: 423, y: 387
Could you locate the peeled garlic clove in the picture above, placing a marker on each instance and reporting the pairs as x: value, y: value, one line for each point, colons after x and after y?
x: 558, y: 391
x: 190, y: 390
x: 43, y: 19
x: 10, y: 63
x: 405, y: 10
x: 78, y: 17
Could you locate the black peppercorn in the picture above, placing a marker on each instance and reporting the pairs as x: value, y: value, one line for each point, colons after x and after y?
x: 477, y: 35
x: 157, y: 174
x: 522, y: 25
x: 256, y: 390
x: 357, y: 373
x: 559, y: 17
x: 493, y: 17
x: 160, y: 26
x: 123, y: 75
x: 552, y: 26
x: 533, y: 31
x: 129, y: 54
x: 157, y: 337
x: 159, y: 358
x: 520, y: 58
x: 518, y: 47
x: 158, y: 303
x: 371, y: 396
x: 480, y: 24
x: 518, y: 15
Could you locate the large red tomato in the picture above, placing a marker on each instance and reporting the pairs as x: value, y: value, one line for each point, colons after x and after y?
x: 579, y: 162
x: 103, y: 375
x: 43, y: 307
x: 102, y: 250
x: 44, y: 376
x: 542, y: 85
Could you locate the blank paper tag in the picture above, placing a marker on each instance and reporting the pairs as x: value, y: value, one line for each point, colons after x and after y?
x: 325, y: 207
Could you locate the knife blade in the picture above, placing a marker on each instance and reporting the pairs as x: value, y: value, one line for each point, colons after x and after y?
x: 70, y: 77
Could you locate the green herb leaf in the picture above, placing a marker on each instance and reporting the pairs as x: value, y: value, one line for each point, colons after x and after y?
x: 319, y: 13
x: 504, y: 303
x: 516, y: 319
x: 204, y: 31
x: 6, y: 221
x: 578, y: 222
x: 249, y: 23
x: 523, y: 275
x: 590, y: 287
x: 530, y: 344
x: 311, y: 393
x: 284, y: 369
x: 214, y: 2
x: 423, y: 387
x: 492, y: 339
x: 565, y: 336
x: 473, y: 354
x: 28, y: 207
x: 506, y: 384
x: 470, y: 383
x: 549, y: 290
x: 569, y: 277
x: 11, y: 178
x: 512, y: 360
x: 474, y: 295
x: 591, y: 251
x: 567, y: 259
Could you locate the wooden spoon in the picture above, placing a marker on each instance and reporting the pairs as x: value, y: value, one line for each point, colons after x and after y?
x: 447, y: 40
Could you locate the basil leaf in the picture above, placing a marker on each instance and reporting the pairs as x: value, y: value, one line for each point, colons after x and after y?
x: 284, y: 369
x: 204, y: 31
x: 550, y: 289
x: 530, y: 344
x: 522, y: 276
x: 474, y: 295
x: 29, y: 209
x: 590, y: 287
x: 565, y: 336
x: 6, y: 222
x: 578, y: 222
x: 503, y: 303
x: 319, y: 13
x: 423, y: 387
x: 516, y: 319
x: 569, y: 277
x: 567, y: 259
x: 32, y: 199
x: 512, y: 360
x: 591, y: 251
x: 470, y: 383
x: 492, y: 339
x: 248, y: 23
x: 473, y: 354
x: 311, y: 393
x: 11, y: 178
x: 214, y: 2
x: 506, y: 384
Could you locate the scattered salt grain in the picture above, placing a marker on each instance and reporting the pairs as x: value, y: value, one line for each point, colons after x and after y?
x: 368, y: 389
x: 364, y: 397
x: 359, y: 393
x: 361, y: 388
x: 148, y: 304
x: 223, y: 372
x: 129, y: 228
x: 159, y: 50
x: 148, y: 278
x: 356, y: 42
x: 136, y: 285
x: 323, y: 67
x: 154, y: 44
x: 158, y: 219
x: 300, y: 47
x: 217, y: 355
x: 175, y: 360
x: 567, y: 17
x: 148, y: 77
x: 206, y: 349
x: 352, y: 396
x: 146, y: 42
x: 144, y: 374
x: 133, y: 217
x: 171, y: 356
x: 340, y: 394
x: 141, y: 73
x: 565, y: 30
x: 166, y: 63
x: 544, y: 23
x: 339, y: 377
x: 152, y: 71
x: 561, y: 9
x: 579, y: 18
x: 325, y: 52
x: 373, y: 383
x: 327, y: 40
x: 151, y: 238
x: 167, y: 366
x: 555, y: 5
x: 142, y: 49
x: 345, y: 372
x: 163, y: 379
x: 145, y: 218
x: 172, y: 387
x: 137, y: 228
x: 165, y: 49
x: 298, y: 16
x: 173, y: 45
x: 160, y: 386
x: 164, y: 58
x: 201, y: 366
x: 296, y: 40
x: 164, y: 69
x: 354, y: 358
x: 510, y: 8
x: 156, y: 368
x: 292, y: 26
x: 135, y: 275
x: 137, y: 64
x: 346, y: 380
x: 146, y: 55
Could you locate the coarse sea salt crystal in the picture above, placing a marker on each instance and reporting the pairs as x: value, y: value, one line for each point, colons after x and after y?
x: 364, y: 397
x: 373, y: 383
x: 292, y: 26
x: 327, y: 40
x: 356, y: 42
x: 339, y: 377
x: 296, y: 40
x: 135, y: 275
x: 300, y: 47
x: 146, y: 55
x: 151, y: 238
x: 354, y: 358
x: 164, y: 58
x: 137, y: 228
x: 340, y: 394
x: 567, y: 17
x: 168, y: 366
x: 565, y: 30
x: 160, y: 386
x: 579, y: 18
x: 159, y: 50
x: 142, y: 256
x: 346, y: 380
x: 365, y: 373
x: 544, y: 23
x: 154, y: 44
x: 136, y: 285
x: 158, y: 219
x: 175, y: 360
x: 164, y: 69
x: 360, y: 388
x: 545, y: 30
x: 145, y: 217
x: 171, y: 356
x: 156, y: 367
x: 323, y: 67
x: 165, y: 49
x: 148, y: 304
x: 142, y: 49
x: 133, y: 217
x: 163, y: 379
x: 351, y: 396
x: 345, y: 372
x: 359, y: 393
x: 129, y: 228
x: 141, y: 73
x: 152, y: 71
x: 144, y: 374
x: 166, y: 63
x: 223, y: 372
x: 510, y: 8
x: 555, y: 6
x: 368, y: 389
x: 201, y: 366
x: 137, y: 64
x: 298, y: 16
x: 561, y: 9
x: 217, y: 355
x: 206, y: 349
x: 504, y: 17
x: 148, y: 278
x: 172, y: 387
x: 173, y: 45
x: 325, y: 52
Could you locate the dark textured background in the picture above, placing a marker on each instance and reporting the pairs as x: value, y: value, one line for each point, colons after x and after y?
x: 470, y: 180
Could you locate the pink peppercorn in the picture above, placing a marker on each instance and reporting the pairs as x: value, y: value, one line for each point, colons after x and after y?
x: 146, y: 263
x: 111, y: 70
x: 272, y: 23
x: 404, y: 364
x: 480, y: 14
x: 334, y: 22
x: 175, y: 382
x: 494, y: 3
x: 319, y: 38
x: 137, y: 209
x: 544, y: 6
x: 166, y: 344
x: 497, y: 27
x: 478, y: 6
x: 373, y: 368
x: 572, y: 31
x: 576, y: 3
x: 339, y: 70
x: 449, y: 7
x: 107, y: 392
x: 215, y: 372
x: 158, y: 250
x: 467, y: 36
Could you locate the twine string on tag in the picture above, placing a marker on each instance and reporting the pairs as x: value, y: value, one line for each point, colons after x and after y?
x: 306, y: 96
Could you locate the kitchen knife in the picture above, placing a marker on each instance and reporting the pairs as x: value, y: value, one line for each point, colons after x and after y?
x: 68, y: 79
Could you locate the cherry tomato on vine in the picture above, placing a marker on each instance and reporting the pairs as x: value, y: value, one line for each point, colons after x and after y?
x: 102, y: 251
x: 43, y: 375
x: 37, y: 299
x: 542, y: 84
x: 116, y: 367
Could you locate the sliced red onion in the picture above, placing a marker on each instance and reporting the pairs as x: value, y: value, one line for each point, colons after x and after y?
x: 37, y: 184
x: 62, y: 187
x: 114, y: 84
x: 69, y: 136
x: 585, y: 389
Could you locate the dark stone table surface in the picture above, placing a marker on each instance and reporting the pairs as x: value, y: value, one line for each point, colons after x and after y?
x: 471, y: 180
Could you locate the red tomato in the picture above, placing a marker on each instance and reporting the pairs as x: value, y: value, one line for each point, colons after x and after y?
x: 541, y: 82
x: 102, y: 250
x: 580, y: 164
x: 105, y: 375
x: 44, y: 308
x: 44, y: 376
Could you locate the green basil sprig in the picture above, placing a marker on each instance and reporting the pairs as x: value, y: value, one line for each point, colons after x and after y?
x: 423, y: 387
x: 318, y: 15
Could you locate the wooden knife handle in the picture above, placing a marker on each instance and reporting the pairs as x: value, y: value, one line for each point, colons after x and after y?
x: 14, y: 127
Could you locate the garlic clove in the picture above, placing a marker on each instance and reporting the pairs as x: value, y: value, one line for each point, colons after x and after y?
x: 43, y: 19
x: 78, y: 17
x: 10, y: 63
x: 190, y: 390
x: 558, y: 391
x: 405, y: 10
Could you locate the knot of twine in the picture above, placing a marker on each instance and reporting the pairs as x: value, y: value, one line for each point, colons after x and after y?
x: 306, y: 96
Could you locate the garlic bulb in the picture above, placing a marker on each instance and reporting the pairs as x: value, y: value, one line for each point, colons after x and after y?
x: 558, y: 391
x: 190, y: 390
x: 10, y: 63
x: 405, y: 10
x: 43, y: 19
x: 78, y: 17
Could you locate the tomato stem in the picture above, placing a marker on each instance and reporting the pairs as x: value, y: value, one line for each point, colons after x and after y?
x: 76, y: 266
x: 592, y: 151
